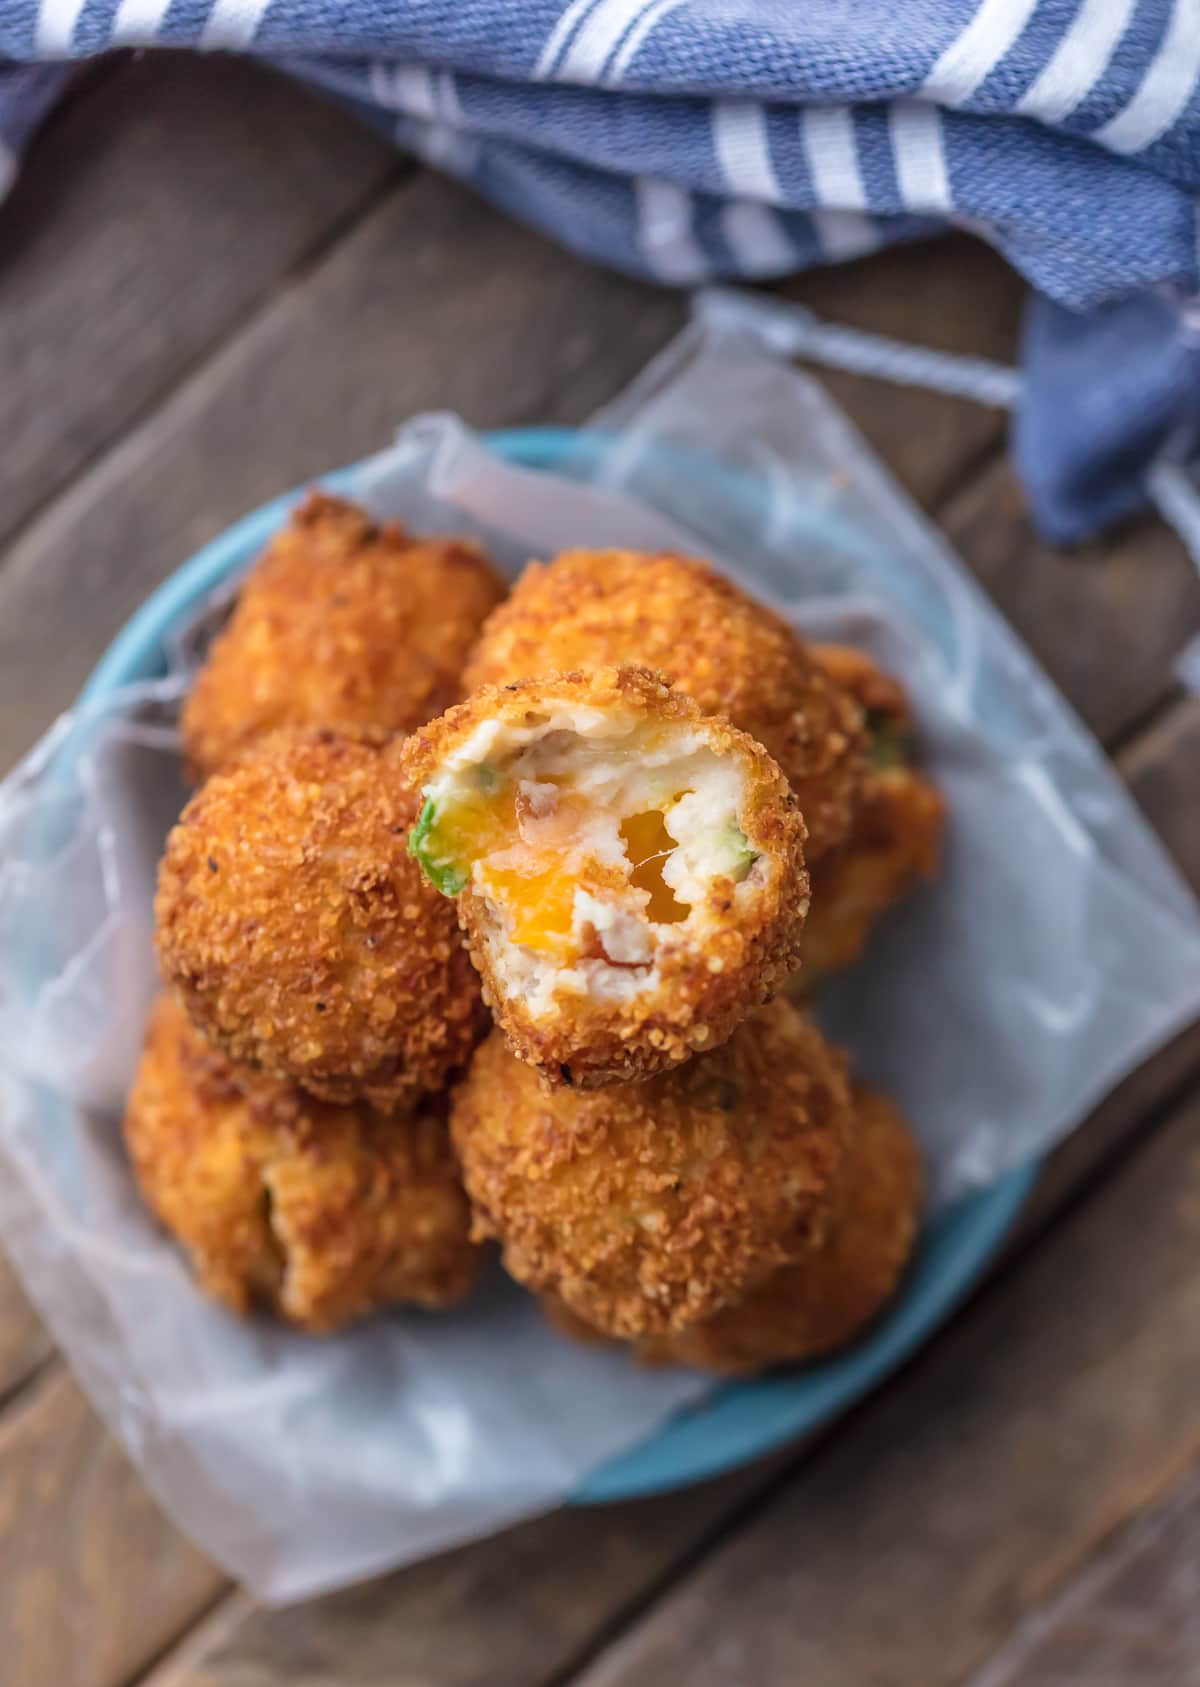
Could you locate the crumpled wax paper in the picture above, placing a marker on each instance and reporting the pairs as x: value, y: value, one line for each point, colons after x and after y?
x: 1057, y: 949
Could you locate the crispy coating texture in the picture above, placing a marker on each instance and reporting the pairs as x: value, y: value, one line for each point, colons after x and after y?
x: 878, y: 693
x: 645, y: 1208
x: 738, y: 659
x: 342, y: 623
x: 302, y: 938
x: 316, y: 1212
x: 825, y: 1299
x: 702, y: 996
x: 895, y: 837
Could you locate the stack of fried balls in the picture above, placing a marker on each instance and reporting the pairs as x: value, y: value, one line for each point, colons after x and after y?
x: 495, y: 917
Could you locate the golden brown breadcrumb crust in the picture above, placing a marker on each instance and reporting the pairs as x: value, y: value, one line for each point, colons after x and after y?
x: 735, y: 657
x: 824, y: 1299
x: 302, y: 937
x: 319, y: 1213
x: 702, y: 995
x: 895, y: 837
x: 875, y: 690
x: 342, y: 623
x: 569, y: 1323
x: 645, y: 1208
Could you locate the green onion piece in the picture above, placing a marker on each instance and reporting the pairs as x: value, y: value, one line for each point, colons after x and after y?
x: 891, y: 745
x: 446, y: 875
x: 738, y: 854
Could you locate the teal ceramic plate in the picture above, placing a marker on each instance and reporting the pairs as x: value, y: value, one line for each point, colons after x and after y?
x: 740, y: 1421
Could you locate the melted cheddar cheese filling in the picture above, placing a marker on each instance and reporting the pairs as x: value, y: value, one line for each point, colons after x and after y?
x: 528, y: 850
x: 648, y: 845
x: 591, y: 841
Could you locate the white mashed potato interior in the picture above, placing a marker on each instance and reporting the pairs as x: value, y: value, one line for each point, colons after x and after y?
x: 592, y: 840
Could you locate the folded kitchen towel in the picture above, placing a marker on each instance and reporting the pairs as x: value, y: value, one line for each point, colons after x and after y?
x: 693, y: 140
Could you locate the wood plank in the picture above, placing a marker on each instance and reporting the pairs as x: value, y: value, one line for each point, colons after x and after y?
x: 1105, y: 619
x: 24, y: 1343
x: 135, y: 239
x: 1096, y: 1150
x: 512, y: 1610
x: 965, y: 1495
x: 1074, y: 607
x: 433, y: 301
x: 377, y: 331
x: 495, y: 1610
x: 1163, y: 769
x: 94, y: 1614
x: 1132, y: 1617
x: 1160, y: 769
x: 956, y: 295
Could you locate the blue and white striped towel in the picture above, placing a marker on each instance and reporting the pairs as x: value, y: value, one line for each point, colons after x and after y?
x: 690, y: 140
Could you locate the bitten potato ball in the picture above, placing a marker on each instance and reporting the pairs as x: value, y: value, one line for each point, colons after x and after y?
x: 629, y: 872
x: 342, y: 623
x: 826, y: 1298
x: 316, y: 1212
x: 895, y: 836
x: 647, y: 1207
x: 736, y: 658
x: 300, y: 934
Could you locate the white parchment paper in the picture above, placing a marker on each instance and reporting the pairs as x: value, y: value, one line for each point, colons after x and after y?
x: 1058, y: 948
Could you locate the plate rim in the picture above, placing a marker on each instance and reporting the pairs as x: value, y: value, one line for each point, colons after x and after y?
x: 736, y: 1422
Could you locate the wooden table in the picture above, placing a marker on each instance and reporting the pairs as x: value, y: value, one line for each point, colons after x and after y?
x: 212, y: 286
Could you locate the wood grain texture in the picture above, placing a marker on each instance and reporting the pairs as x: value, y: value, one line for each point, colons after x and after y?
x: 966, y: 1494
x: 1160, y: 768
x: 1131, y: 1619
x: 1105, y: 619
x: 956, y: 295
x: 134, y: 240
x: 93, y: 1580
x: 24, y: 1344
x: 434, y: 301
x: 1163, y: 770
x: 1097, y: 1149
x: 506, y: 1612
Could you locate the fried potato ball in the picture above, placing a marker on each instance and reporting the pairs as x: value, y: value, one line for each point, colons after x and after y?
x: 342, y: 623
x: 736, y: 658
x: 629, y: 873
x: 647, y: 1207
x: 895, y: 836
x: 316, y: 1212
x: 301, y: 935
x: 824, y: 1299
